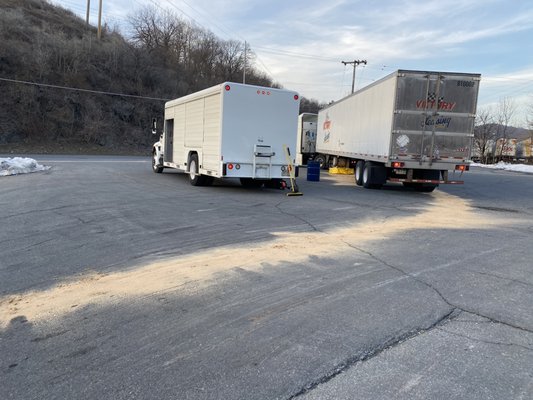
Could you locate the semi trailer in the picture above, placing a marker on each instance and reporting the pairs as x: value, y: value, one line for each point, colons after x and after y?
x: 412, y: 127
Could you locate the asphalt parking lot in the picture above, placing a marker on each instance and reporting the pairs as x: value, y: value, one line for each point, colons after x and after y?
x: 116, y: 282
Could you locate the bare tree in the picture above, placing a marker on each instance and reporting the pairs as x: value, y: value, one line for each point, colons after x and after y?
x: 505, y: 111
x: 230, y: 61
x: 484, y: 134
x: 529, y: 119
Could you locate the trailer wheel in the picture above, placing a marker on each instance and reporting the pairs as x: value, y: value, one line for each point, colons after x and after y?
x: 359, y: 166
x: 321, y: 159
x: 157, y: 163
x: 367, y: 175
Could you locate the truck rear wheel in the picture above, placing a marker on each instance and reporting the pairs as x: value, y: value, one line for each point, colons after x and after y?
x: 157, y: 163
x: 367, y: 175
x: 373, y: 176
x: 194, y: 176
x: 359, y: 166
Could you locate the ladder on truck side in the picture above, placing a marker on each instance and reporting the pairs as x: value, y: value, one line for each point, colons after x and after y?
x: 262, y: 161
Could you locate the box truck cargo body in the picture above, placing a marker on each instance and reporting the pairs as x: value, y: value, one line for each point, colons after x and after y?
x: 229, y: 131
x: 411, y: 127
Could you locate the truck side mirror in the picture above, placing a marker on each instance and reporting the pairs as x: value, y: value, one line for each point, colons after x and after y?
x: 154, y: 126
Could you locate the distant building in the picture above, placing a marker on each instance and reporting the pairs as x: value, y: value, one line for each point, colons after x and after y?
x: 524, y: 150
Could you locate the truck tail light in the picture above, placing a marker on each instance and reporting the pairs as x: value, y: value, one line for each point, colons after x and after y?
x: 398, y: 164
x: 462, y: 167
x: 230, y: 166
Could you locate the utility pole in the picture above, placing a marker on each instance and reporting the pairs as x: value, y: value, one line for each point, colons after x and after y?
x: 355, y: 63
x: 99, y: 35
x: 244, y: 69
x: 88, y: 11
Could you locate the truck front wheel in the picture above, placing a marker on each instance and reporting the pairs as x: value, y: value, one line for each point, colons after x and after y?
x: 157, y: 163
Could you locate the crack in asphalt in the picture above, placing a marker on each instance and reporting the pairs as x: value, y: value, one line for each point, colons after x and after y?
x: 401, y: 271
x: 485, y: 341
x: 502, y: 277
x: 454, y: 311
x: 313, y: 227
x: 374, y: 352
x: 37, y: 211
x: 429, y: 285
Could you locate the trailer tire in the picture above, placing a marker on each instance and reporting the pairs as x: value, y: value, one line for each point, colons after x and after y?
x: 157, y: 163
x: 321, y: 159
x: 359, y: 166
x: 367, y: 175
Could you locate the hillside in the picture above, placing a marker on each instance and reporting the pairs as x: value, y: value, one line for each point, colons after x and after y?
x: 166, y: 58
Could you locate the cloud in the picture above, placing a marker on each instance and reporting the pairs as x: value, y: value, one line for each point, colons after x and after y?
x: 302, y: 43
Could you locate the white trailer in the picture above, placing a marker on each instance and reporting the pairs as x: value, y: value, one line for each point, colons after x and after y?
x: 410, y: 127
x: 230, y: 130
x: 306, y: 137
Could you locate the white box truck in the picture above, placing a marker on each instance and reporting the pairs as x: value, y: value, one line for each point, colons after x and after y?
x: 410, y: 127
x: 230, y: 130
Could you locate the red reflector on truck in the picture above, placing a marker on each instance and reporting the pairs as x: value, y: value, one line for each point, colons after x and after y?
x: 296, y: 97
x: 227, y: 87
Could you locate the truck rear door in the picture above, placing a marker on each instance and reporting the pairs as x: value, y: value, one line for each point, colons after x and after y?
x: 434, y: 116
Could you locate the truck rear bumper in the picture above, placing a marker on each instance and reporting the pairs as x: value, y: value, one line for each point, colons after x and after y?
x: 434, y: 181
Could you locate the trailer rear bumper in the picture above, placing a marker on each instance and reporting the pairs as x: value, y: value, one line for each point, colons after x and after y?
x: 433, y: 181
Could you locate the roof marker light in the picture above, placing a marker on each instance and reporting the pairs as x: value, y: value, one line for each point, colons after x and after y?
x: 296, y: 97
x: 227, y: 87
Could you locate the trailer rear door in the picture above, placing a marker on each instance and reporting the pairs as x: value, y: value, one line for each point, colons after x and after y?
x: 434, y: 116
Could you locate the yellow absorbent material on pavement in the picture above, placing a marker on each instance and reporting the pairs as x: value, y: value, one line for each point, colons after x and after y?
x: 341, y: 171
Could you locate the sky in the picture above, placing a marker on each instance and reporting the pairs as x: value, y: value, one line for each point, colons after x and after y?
x: 300, y: 44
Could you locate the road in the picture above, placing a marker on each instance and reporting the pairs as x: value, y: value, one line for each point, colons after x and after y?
x: 119, y: 283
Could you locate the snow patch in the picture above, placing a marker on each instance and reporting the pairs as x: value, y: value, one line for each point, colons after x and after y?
x: 506, y: 166
x: 20, y: 165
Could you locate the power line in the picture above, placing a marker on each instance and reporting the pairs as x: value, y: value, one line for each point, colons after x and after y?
x: 82, y: 90
x: 355, y: 63
x: 294, y: 54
